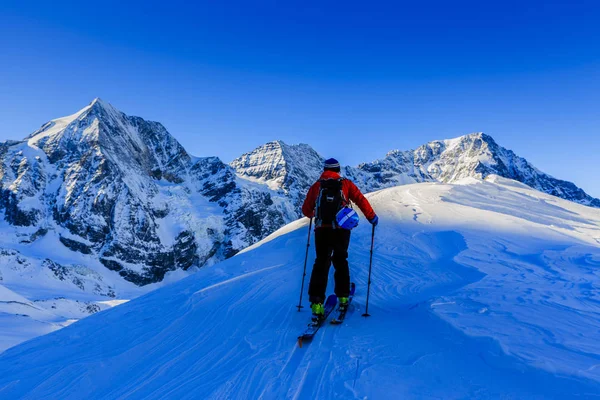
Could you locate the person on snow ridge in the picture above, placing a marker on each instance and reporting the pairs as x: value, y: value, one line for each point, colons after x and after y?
x: 332, y: 241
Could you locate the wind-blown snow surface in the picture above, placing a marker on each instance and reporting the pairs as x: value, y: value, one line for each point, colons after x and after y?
x: 481, y: 289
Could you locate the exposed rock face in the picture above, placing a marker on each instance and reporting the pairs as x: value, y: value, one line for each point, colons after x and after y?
x: 123, y: 190
x: 284, y: 168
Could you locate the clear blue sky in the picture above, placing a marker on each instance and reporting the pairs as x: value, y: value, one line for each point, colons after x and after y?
x: 354, y: 79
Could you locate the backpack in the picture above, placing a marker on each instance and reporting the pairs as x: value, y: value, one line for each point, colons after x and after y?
x: 330, y: 201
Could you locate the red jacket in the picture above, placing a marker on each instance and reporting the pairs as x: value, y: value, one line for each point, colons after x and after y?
x: 349, y: 189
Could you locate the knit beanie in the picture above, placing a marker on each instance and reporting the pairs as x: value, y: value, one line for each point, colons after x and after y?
x: 332, y: 165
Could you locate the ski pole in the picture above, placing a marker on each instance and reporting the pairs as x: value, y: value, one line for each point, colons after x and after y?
x: 305, y: 261
x: 366, y: 314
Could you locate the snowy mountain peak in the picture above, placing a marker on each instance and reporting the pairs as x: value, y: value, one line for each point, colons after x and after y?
x: 471, y: 137
x: 99, y: 101
x: 479, y: 140
x: 280, y: 166
x: 474, y: 155
x: 463, y: 142
x: 84, y: 127
x: 124, y: 191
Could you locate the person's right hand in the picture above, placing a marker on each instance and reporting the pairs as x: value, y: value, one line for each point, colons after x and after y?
x: 375, y: 220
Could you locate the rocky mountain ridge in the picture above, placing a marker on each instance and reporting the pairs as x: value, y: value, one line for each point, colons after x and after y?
x: 475, y: 155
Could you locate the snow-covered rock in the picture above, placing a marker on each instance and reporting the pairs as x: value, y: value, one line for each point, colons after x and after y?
x: 287, y: 169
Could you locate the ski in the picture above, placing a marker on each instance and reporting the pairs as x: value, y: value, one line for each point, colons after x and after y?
x: 313, y: 327
x: 342, y: 313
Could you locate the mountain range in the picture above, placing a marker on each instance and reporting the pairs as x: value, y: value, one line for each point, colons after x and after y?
x: 100, y: 205
x: 124, y: 190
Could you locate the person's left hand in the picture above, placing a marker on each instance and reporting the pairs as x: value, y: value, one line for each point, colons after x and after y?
x: 375, y: 220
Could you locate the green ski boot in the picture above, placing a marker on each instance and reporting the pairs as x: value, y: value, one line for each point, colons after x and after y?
x: 318, y: 312
x: 343, y: 303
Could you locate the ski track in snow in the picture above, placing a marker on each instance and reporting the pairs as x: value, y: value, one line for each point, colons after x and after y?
x: 458, y: 311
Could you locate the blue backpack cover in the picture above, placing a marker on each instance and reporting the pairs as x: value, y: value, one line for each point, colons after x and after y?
x: 347, y: 218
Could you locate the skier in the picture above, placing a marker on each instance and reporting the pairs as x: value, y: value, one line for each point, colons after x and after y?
x: 330, y: 194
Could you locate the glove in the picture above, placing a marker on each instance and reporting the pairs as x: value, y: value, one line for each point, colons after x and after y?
x: 374, y: 221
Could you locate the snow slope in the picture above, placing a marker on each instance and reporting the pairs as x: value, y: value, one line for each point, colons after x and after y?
x: 481, y: 289
x: 21, y: 319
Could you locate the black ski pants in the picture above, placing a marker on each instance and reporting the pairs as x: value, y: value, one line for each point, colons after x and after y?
x: 331, y: 245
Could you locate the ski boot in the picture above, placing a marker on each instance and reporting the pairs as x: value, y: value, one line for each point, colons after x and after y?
x: 343, y: 303
x: 318, y: 312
